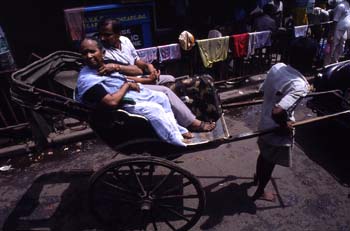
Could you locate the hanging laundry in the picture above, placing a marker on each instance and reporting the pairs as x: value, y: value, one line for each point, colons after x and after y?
x: 169, y: 52
x: 262, y: 39
x: 251, y: 44
x: 300, y: 31
x: 240, y: 45
x: 213, y: 50
x: 258, y: 40
x: 149, y: 55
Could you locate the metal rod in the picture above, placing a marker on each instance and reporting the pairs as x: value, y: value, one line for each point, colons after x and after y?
x: 36, y: 56
x: 14, y: 127
x: 71, y: 137
x: 52, y: 141
x: 243, y: 103
x: 17, y: 149
x: 4, y: 95
x: 253, y: 134
x: 323, y: 92
x: 24, y: 114
x: 3, y: 119
x: 319, y: 118
x: 259, y: 101
x: 233, y: 79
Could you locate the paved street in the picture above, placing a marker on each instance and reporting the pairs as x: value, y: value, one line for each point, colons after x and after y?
x: 49, y: 191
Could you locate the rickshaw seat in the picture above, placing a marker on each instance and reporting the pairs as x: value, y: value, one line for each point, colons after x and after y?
x: 67, y: 78
x: 107, y: 124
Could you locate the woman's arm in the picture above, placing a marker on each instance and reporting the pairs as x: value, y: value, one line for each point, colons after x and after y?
x: 146, y: 67
x: 114, y: 99
x: 132, y: 70
x: 149, y: 79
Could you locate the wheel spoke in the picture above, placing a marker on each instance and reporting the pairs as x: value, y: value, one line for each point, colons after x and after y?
x: 119, y: 188
x: 177, y: 197
x: 190, y: 209
x: 158, y: 186
x: 174, y: 212
x: 144, y: 221
x: 177, y: 187
x: 137, y: 179
x: 142, y: 169
x: 116, y: 176
x: 154, y: 222
x: 120, y: 199
x: 169, y: 224
x: 150, y: 176
x: 174, y: 207
x: 146, y: 194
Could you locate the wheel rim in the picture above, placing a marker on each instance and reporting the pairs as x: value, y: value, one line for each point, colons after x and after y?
x: 146, y: 194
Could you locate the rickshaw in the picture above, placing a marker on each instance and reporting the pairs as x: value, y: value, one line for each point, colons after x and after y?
x: 333, y: 77
x: 145, y: 190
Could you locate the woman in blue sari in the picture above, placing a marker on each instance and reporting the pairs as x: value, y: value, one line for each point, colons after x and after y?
x: 94, y: 89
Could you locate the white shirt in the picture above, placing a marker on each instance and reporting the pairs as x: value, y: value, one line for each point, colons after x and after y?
x: 283, y: 86
x: 342, y: 16
x: 126, y: 55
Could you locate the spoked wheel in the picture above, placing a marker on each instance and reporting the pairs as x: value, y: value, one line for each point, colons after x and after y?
x: 146, y: 193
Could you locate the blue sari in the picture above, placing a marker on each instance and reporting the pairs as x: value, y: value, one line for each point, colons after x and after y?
x: 153, y: 105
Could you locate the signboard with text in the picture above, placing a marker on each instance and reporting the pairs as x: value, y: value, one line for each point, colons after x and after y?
x: 137, y: 21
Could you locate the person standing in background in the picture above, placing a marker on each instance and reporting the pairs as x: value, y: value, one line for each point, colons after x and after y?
x: 339, y: 31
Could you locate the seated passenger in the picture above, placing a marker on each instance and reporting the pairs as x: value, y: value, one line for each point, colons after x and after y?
x: 120, y: 49
x: 121, y: 56
x: 97, y: 90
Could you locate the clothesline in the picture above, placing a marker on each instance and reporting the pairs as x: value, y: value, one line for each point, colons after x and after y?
x: 162, y: 53
x: 216, y: 49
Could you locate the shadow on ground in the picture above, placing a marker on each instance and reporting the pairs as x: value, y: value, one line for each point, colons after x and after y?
x: 55, y: 201
x: 227, y: 198
x: 59, y: 201
x: 327, y: 144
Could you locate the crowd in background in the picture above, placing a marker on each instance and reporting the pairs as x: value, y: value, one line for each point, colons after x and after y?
x: 327, y: 22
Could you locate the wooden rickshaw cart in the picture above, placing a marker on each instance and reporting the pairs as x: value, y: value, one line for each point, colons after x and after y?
x: 145, y: 190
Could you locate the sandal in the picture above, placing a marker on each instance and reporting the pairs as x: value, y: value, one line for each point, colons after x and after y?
x: 203, y: 127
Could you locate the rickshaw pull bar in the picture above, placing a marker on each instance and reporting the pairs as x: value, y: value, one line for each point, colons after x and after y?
x: 259, y: 101
x: 323, y: 92
x: 253, y: 134
x: 319, y: 118
x: 243, y: 103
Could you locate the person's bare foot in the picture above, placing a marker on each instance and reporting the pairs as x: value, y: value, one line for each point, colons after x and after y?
x: 266, y: 196
x: 187, y: 135
x: 186, y: 141
x: 201, y: 126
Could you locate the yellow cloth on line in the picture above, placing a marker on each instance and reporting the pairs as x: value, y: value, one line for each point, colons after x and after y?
x: 213, y: 50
